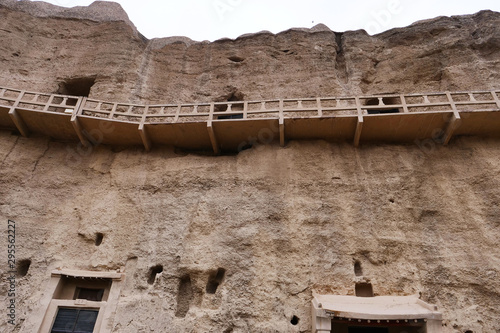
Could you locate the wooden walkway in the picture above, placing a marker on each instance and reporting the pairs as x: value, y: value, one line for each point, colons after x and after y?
x: 233, y: 126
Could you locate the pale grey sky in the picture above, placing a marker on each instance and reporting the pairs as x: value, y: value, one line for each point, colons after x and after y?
x: 215, y: 19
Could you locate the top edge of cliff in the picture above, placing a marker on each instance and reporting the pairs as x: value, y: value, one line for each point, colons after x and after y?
x: 108, y: 11
x: 99, y: 11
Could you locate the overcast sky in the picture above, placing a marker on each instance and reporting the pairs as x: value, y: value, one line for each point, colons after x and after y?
x: 214, y: 19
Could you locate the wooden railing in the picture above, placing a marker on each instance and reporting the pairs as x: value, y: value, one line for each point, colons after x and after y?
x: 280, y: 109
x: 290, y: 108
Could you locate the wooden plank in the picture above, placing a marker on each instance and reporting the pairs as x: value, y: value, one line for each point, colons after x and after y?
x: 192, y: 136
x: 5, y: 119
x: 332, y: 129
x: 113, y: 132
x: 55, y: 125
x: 484, y: 124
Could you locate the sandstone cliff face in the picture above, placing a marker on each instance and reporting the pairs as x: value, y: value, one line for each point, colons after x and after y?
x: 282, y: 223
x: 458, y: 53
x: 276, y: 223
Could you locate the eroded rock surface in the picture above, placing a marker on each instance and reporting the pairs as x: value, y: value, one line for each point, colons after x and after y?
x: 243, y: 241
x: 457, y: 53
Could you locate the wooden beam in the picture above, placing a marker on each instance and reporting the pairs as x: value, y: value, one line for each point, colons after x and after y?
x: 359, y: 128
x: 146, y: 141
x: 19, y: 122
x: 211, y: 132
x: 282, y: 132
x: 281, y: 124
x: 359, y: 125
x: 454, y: 122
x: 76, y: 124
x: 213, y: 138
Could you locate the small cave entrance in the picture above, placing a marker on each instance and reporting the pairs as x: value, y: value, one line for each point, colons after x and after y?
x: 236, y: 59
x: 184, y: 296
x: 153, y: 272
x: 23, y: 267
x: 358, y: 271
x: 215, y: 280
x: 98, y: 238
x: 363, y: 290
x: 76, y: 87
x: 234, y: 103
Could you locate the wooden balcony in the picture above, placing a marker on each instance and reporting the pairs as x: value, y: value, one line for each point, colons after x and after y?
x: 233, y: 126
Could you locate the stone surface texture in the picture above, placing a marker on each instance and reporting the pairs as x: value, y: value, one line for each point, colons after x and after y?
x: 282, y: 222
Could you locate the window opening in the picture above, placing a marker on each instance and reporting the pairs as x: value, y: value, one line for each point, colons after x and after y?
x: 89, y: 294
x: 74, y: 320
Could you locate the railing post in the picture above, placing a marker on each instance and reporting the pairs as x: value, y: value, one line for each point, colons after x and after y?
x: 177, y: 113
x: 245, y: 110
x: 403, y: 102
x: 113, y: 110
x: 49, y: 102
x: 320, y: 110
x: 495, y: 97
x: 16, y: 118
